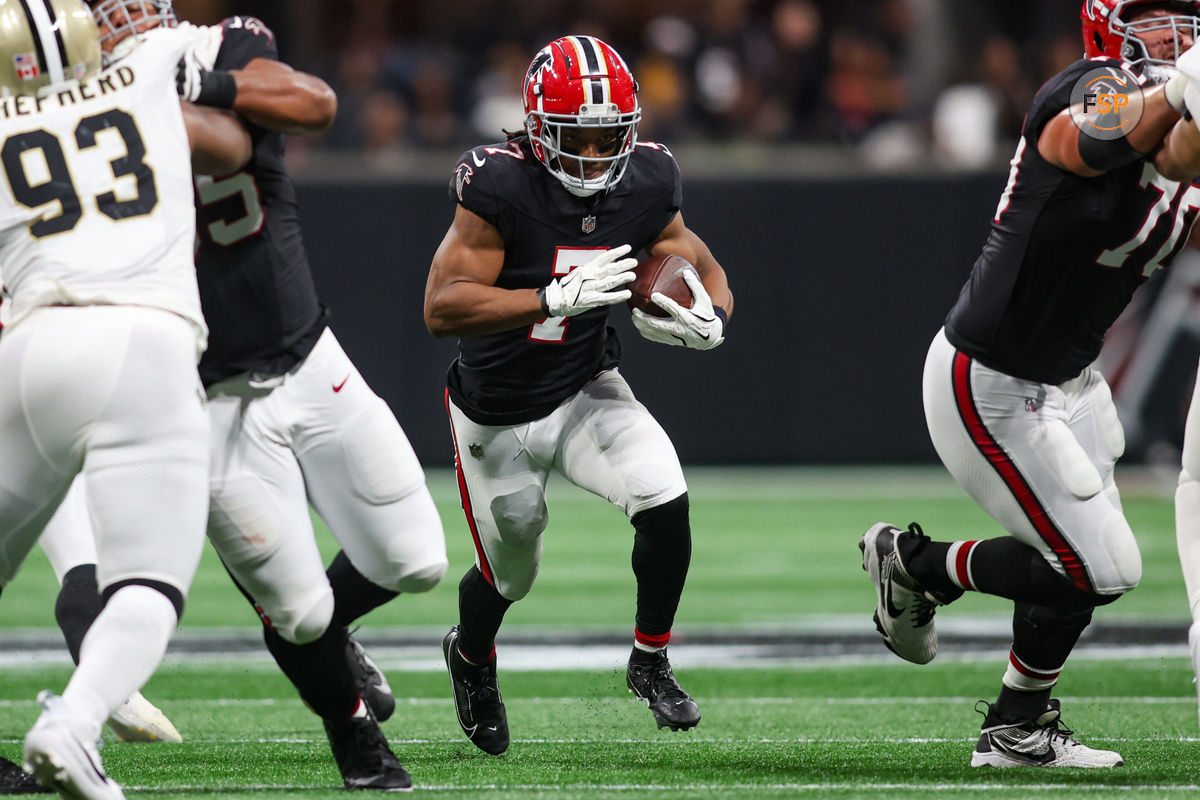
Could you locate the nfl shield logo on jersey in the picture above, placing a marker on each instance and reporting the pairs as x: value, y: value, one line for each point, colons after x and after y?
x: 589, y: 224
x: 26, y: 64
x: 476, y: 451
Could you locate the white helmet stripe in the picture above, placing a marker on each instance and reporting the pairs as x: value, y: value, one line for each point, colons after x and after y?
x: 597, y: 87
x: 46, y: 37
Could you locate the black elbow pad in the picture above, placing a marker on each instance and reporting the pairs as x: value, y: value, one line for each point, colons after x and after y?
x: 1106, y: 154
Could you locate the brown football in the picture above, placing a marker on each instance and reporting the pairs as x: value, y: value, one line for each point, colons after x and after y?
x: 660, y: 274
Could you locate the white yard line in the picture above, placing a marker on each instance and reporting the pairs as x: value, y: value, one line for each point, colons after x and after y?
x: 749, y: 788
x: 708, y: 701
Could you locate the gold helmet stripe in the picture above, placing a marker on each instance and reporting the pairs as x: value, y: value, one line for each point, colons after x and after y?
x: 46, y: 39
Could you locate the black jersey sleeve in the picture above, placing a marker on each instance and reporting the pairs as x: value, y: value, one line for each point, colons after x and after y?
x: 1055, y: 94
x: 478, y: 186
x: 664, y: 170
x: 244, y: 39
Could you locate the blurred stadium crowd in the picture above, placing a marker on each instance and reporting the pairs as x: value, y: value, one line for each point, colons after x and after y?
x: 898, y: 81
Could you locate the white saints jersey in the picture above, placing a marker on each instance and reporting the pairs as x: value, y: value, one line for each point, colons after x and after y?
x: 96, y: 199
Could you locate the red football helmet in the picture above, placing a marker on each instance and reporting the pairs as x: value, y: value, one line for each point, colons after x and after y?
x: 1107, y: 31
x: 581, y: 82
x: 121, y: 21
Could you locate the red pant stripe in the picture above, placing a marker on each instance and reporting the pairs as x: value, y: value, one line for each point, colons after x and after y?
x: 1008, y: 472
x: 465, y: 495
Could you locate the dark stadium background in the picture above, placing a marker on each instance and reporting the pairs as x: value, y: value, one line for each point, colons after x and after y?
x: 842, y: 157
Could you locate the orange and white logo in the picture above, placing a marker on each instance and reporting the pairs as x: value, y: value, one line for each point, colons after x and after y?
x: 1107, y: 103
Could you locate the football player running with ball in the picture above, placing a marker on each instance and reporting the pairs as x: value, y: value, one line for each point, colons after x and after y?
x: 293, y: 422
x: 539, y: 248
x: 96, y: 232
x: 1016, y: 411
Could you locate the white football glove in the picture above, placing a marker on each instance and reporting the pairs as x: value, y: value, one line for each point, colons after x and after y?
x: 697, y: 327
x: 1174, y: 91
x: 1188, y: 63
x: 591, y: 285
x: 189, y: 78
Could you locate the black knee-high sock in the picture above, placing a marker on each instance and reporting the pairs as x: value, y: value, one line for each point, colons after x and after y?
x: 1004, y: 567
x: 78, y: 605
x: 320, y: 670
x: 1043, y: 637
x: 662, y: 550
x: 480, y: 611
x: 353, y: 594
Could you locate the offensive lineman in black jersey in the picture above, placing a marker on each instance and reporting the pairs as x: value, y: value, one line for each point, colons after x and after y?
x: 1015, y: 410
x: 524, y: 277
x: 292, y: 420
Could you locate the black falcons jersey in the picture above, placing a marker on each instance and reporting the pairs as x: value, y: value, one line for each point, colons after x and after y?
x: 1065, y: 253
x: 523, y: 374
x: 255, y: 286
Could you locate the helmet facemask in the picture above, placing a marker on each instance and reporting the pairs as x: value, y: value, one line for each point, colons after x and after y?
x: 122, y: 22
x: 578, y: 92
x: 1180, y: 26
x: 547, y: 132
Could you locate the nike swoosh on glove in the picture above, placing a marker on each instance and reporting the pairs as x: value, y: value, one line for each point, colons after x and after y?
x: 697, y: 327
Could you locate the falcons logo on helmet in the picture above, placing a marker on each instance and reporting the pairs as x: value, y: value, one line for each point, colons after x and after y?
x: 535, y: 67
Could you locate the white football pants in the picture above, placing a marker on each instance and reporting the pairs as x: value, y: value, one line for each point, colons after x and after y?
x: 67, y: 539
x: 110, y: 392
x: 1187, y: 506
x: 601, y: 439
x: 1039, y: 459
x: 320, y: 435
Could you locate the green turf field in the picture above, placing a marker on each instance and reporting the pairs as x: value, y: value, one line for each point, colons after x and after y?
x: 775, y: 551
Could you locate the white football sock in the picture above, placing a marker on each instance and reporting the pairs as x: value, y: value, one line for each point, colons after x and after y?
x: 121, y: 650
x: 1187, y: 537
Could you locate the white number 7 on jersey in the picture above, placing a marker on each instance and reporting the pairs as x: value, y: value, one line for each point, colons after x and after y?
x: 554, y: 329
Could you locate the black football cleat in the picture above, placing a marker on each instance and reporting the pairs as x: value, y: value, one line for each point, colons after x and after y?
x: 14, y: 780
x: 477, y: 699
x: 363, y: 756
x: 649, y: 677
x: 371, y: 682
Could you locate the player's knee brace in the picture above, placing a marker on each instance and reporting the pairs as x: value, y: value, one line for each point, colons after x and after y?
x: 521, y: 516
x: 165, y: 589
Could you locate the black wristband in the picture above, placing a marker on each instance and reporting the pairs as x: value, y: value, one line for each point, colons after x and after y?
x: 541, y: 295
x: 722, y: 315
x: 218, y: 88
x: 1106, y: 154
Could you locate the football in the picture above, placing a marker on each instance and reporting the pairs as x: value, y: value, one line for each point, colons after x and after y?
x: 660, y: 274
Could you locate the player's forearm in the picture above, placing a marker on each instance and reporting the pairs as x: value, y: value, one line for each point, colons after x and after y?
x: 274, y: 96
x: 472, y: 309
x: 1157, y: 120
x: 220, y: 143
